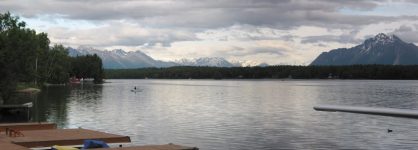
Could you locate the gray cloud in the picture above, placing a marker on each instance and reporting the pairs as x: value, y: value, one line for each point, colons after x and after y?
x: 344, y: 38
x: 403, y: 28
x: 119, y: 34
x: 239, y: 51
x: 204, y: 13
x: 211, y: 23
x: 407, y: 33
x: 244, y: 33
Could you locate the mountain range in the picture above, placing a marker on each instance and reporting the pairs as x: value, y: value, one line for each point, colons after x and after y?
x: 120, y: 59
x: 380, y: 49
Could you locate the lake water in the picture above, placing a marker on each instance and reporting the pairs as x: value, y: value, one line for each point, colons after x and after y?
x: 238, y: 114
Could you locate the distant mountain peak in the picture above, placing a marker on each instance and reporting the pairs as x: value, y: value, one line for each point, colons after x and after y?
x: 383, y: 38
x: 380, y: 49
x: 118, y: 58
x: 205, y: 61
x: 218, y: 62
x: 380, y: 39
x: 248, y: 63
x: 120, y: 52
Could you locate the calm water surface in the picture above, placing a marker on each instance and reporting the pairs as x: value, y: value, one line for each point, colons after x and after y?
x: 238, y: 114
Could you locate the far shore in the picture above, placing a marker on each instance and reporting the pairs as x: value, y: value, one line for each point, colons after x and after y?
x: 266, y: 79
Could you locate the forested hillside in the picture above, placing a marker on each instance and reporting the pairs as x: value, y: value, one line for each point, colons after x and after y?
x: 270, y: 72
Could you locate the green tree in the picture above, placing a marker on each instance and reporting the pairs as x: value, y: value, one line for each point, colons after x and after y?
x: 57, y: 66
x: 15, y: 42
x: 25, y: 56
x: 88, y: 66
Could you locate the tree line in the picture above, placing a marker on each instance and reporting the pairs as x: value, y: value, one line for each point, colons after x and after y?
x: 27, y: 57
x: 270, y: 72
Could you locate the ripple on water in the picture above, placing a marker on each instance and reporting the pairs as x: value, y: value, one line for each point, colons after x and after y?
x: 238, y: 114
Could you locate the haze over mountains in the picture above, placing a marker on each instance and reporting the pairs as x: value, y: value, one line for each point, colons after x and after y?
x: 381, y: 49
x: 120, y: 59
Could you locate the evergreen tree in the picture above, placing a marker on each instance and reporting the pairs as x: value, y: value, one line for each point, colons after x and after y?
x: 25, y: 56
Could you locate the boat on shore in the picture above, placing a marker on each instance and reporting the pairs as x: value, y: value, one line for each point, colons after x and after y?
x: 74, y: 80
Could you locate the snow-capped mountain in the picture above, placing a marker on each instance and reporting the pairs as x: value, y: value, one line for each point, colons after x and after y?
x: 380, y: 39
x: 120, y: 59
x: 381, y: 49
x: 248, y: 63
x: 117, y: 59
x: 205, y: 61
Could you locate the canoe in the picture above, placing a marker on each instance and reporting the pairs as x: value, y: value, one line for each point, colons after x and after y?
x: 136, y: 90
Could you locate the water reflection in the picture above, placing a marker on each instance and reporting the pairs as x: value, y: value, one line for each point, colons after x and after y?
x: 54, y: 102
x: 238, y: 114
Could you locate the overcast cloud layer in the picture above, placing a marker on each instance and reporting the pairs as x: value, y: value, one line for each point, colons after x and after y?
x: 276, y: 32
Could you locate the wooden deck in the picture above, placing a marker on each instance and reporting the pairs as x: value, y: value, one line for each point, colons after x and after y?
x: 153, y: 147
x: 28, y: 126
x: 48, y: 138
x: 10, y: 146
x: 44, y: 135
x: 26, y: 105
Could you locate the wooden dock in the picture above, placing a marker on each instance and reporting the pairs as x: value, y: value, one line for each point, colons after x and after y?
x: 44, y: 135
x: 25, y: 105
x: 28, y: 126
x: 16, y: 112
x: 48, y: 138
x: 10, y: 146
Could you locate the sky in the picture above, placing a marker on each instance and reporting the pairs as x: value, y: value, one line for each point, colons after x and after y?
x: 292, y: 32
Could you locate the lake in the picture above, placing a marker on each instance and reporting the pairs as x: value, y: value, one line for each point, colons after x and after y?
x: 238, y: 114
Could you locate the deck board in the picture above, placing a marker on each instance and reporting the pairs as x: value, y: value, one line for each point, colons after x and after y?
x: 10, y: 146
x: 47, y: 138
x: 37, y: 135
x: 28, y: 126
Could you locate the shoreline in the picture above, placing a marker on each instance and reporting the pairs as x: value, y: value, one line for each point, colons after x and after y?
x: 30, y: 90
x: 266, y: 79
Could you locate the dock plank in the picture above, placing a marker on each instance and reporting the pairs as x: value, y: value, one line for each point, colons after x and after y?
x: 47, y: 138
x: 10, y: 146
x: 28, y: 126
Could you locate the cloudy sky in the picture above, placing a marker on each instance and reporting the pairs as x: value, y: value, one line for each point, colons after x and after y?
x: 272, y: 31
